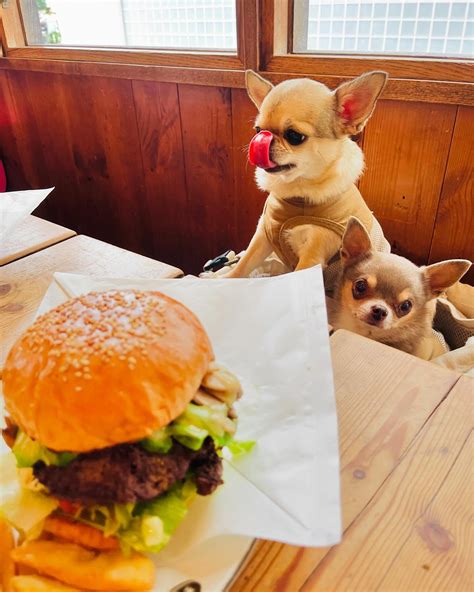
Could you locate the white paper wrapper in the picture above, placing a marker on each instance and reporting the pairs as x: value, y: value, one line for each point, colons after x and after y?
x: 273, y: 334
x: 16, y: 205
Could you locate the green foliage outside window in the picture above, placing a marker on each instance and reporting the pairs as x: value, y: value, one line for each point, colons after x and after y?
x: 49, y: 27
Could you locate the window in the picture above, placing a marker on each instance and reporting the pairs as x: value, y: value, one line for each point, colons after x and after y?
x: 392, y: 27
x: 164, y: 24
x: 213, y: 42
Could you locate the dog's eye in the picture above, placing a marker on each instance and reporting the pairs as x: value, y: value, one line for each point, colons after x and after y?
x: 258, y: 129
x: 359, y: 288
x: 405, y: 307
x: 294, y: 138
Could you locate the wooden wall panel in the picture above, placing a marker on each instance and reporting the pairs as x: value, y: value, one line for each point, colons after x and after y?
x: 406, y: 147
x: 162, y: 169
x: 10, y: 153
x: 41, y: 122
x: 211, y: 212
x: 80, y: 135
x: 249, y: 199
x: 165, y: 196
x: 454, y: 227
x: 105, y: 150
x: 21, y: 146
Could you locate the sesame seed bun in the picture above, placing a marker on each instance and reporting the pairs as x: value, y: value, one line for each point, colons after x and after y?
x: 105, y: 368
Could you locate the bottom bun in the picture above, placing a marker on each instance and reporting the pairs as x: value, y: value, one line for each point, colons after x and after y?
x: 85, y: 569
x: 82, y: 534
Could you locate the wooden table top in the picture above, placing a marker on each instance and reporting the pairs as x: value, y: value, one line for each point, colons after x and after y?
x: 31, y: 235
x: 405, y: 431
x: 405, y: 444
x: 24, y: 282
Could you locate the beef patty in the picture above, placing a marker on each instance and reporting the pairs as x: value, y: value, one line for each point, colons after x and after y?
x: 128, y: 473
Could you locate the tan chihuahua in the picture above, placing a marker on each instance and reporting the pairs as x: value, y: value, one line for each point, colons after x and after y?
x: 388, y: 298
x: 307, y: 162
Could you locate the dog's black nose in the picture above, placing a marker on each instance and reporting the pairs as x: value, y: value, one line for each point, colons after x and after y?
x: 378, y: 313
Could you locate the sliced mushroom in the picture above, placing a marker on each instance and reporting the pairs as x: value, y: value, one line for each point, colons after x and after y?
x: 222, y: 384
x: 226, y: 422
x: 203, y: 398
x: 228, y: 425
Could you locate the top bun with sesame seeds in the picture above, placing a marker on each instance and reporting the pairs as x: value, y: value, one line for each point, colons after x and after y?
x: 105, y: 368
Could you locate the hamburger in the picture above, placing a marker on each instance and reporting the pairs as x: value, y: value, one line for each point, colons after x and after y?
x: 117, y: 415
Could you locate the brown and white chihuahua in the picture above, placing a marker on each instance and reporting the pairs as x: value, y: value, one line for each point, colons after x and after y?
x: 309, y: 165
x: 388, y: 298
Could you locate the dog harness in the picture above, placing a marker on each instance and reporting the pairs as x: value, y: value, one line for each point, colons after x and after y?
x: 281, y: 215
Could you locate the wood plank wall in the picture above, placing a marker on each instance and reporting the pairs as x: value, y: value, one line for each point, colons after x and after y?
x: 161, y: 168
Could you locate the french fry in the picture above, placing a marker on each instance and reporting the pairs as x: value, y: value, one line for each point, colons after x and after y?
x: 39, y: 584
x: 23, y: 570
x: 7, y: 567
x: 82, y: 534
x: 71, y: 564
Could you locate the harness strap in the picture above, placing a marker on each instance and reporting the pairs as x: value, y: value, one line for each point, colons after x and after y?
x: 289, y: 224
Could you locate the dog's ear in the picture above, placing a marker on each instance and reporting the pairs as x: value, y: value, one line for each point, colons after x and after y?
x: 257, y: 87
x: 355, y: 242
x: 355, y: 101
x: 441, y: 276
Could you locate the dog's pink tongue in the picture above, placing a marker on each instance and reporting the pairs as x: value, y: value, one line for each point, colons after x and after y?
x: 259, y: 150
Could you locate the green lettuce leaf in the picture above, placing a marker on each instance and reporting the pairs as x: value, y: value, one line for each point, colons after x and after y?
x: 189, y: 435
x: 213, y: 419
x: 159, y: 442
x: 238, y: 448
x: 192, y: 427
x: 156, y: 520
x: 28, y: 451
x: 24, y: 508
x: 110, y: 519
x: 145, y: 526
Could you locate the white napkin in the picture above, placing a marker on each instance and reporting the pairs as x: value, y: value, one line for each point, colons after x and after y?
x: 16, y: 205
x: 272, y: 332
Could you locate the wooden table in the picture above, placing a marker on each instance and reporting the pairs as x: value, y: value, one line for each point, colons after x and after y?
x: 405, y: 429
x: 31, y: 235
x: 24, y: 282
x: 405, y: 443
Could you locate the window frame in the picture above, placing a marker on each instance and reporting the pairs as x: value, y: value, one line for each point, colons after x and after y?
x: 264, y: 44
x: 14, y: 46
x: 278, y: 55
x: 418, y: 79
